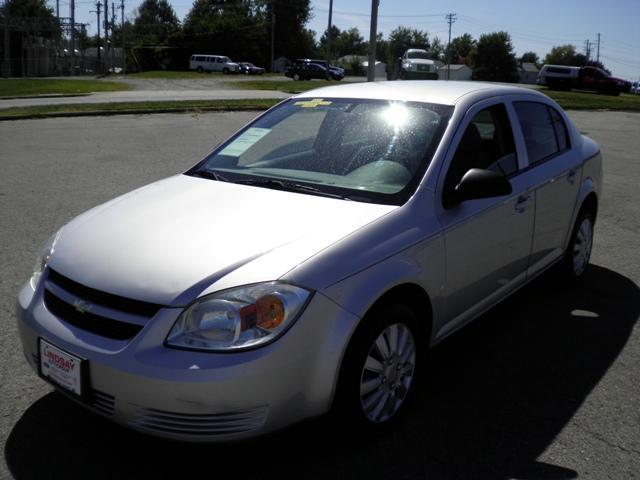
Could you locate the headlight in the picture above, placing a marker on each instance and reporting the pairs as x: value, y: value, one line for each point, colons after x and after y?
x: 45, y: 256
x: 238, y: 318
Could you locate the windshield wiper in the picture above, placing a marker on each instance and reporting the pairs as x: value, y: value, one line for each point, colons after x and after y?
x: 289, y: 187
x: 211, y: 175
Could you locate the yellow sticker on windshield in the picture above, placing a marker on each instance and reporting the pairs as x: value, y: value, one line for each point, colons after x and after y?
x: 316, y: 102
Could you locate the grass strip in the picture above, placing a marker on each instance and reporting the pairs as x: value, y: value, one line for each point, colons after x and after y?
x: 288, y: 86
x: 182, y: 75
x: 21, y: 87
x: 594, y: 101
x: 44, y: 111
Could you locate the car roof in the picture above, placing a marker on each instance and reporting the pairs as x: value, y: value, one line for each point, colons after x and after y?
x: 428, y: 91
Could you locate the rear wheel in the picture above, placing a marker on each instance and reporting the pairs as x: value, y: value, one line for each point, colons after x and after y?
x: 296, y: 77
x: 199, y: 69
x: 379, y: 368
x: 578, y: 252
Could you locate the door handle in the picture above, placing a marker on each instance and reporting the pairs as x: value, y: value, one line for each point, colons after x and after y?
x: 523, y: 202
x: 571, y: 177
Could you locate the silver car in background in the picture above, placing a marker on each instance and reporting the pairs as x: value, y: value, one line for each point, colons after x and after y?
x: 307, y: 262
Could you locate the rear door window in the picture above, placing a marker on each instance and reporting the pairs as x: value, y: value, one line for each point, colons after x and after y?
x: 539, y: 132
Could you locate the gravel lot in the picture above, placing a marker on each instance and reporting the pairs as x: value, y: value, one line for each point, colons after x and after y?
x: 543, y: 387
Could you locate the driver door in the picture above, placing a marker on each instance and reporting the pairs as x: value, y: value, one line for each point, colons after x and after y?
x: 488, y: 241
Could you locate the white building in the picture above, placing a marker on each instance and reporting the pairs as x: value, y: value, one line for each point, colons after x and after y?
x: 456, y: 72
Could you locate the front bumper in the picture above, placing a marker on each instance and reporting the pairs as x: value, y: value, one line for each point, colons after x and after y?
x: 199, y: 396
x: 419, y: 75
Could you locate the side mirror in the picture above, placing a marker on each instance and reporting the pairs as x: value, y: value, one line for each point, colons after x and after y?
x: 478, y: 183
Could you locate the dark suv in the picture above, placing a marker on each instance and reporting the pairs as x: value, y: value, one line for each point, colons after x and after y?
x: 305, y: 69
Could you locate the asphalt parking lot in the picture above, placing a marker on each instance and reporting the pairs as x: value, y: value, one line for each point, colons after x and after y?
x: 544, y: 386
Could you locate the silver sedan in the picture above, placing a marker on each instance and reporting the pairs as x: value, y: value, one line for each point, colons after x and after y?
x: 308, y: 261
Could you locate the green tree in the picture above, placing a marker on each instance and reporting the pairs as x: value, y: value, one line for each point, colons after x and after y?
x: 236, y: 29
x: 292, y: 38
x: 403, y: 38
x: 27, y: 19
x: 436, y: 49
x: 350, y: 42
x: 530, y: 57
x: 322, y: 46
x: 493, y: 58
x: 155, y: 22
x: 33, y: 17
x: 460, y: 49
x: 347, y: 42
x: 565, y: 55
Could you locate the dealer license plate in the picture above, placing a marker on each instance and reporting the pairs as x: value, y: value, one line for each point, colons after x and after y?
x: 61, y: 367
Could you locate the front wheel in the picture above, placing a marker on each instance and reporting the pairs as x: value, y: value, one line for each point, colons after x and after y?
x: 379, y: 368
x: 578, y: 252
x: 296, y: 77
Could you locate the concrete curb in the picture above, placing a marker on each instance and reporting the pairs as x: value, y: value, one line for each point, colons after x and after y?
x: 135, y: 111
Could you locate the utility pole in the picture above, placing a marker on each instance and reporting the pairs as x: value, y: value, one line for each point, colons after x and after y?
x: 6, y: 65
x: 587, y: 49
x: 57, y: 8
x: 124, y: 51
x: 328, y: 54
x: 373, y: 34
x: 73, y: 37
x: 106, y: 36
x: 113, y: 43
x: 273, y: 34
x: 451, y: 17
x: 97, y: 12
x: 598, y: 51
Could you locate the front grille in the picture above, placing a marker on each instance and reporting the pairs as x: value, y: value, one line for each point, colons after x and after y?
x: 116, y: 302
x: 200, y: 424
x: 103, y: 326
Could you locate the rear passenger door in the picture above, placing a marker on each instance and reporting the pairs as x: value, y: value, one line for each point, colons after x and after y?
x: 555, y: 170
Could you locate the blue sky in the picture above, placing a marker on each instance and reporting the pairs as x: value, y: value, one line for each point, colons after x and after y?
x: 534, y: 25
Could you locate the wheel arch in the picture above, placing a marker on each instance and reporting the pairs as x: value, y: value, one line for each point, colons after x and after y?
x: 416, y: 298
x: 587, y: 198
x: 408, y: 293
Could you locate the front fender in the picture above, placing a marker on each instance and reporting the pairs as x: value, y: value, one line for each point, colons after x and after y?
x: 360, y: 291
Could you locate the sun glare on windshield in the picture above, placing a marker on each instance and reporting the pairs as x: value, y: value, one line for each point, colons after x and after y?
x: 395, y: 115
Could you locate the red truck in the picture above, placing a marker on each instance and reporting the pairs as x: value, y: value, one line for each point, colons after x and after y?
x: 563, y: 77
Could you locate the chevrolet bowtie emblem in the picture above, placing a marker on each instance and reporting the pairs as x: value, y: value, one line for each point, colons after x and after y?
x: 82, y: 306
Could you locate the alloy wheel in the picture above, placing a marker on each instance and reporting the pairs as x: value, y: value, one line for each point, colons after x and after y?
x: 582, y: 246
x: 387, y: 373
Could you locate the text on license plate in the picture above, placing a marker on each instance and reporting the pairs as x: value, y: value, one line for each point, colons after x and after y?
x: 61, y: 367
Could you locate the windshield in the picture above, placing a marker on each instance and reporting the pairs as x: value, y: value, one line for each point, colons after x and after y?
x: 365, y: 150
x: 418, y: 54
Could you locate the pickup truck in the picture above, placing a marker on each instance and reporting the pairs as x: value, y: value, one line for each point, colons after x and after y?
x: 563, y: 77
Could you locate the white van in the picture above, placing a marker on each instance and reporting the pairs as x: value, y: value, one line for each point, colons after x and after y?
x: 212, y: 63
x: 558, y: 76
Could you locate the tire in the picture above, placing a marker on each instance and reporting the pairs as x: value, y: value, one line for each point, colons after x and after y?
x: 296, y: 77
x: 377, y: 379
x: 578, y: 252
x: 199, y: 70
x: 225, y: 71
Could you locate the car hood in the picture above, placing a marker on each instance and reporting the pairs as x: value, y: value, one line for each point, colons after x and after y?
x: 172, y: 240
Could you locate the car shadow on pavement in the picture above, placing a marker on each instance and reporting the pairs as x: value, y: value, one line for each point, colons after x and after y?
x: 494, y: 397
